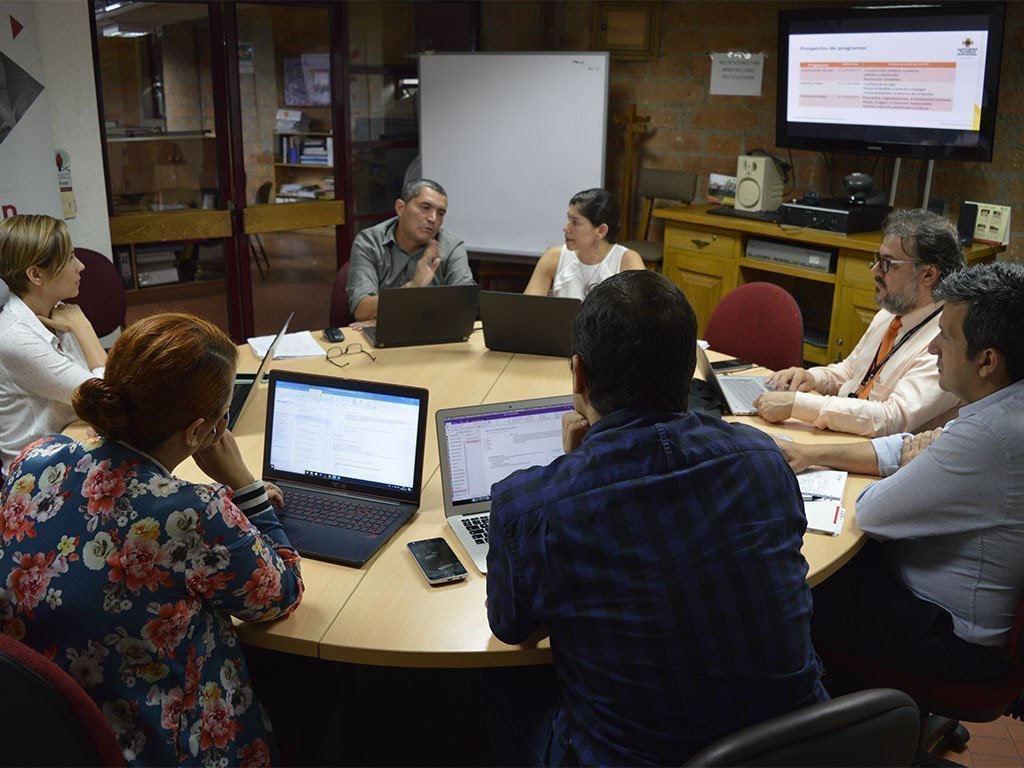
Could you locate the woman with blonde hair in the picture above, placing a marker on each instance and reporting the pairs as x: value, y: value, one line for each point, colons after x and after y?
x: 129, y: 576
x: 49, y: 347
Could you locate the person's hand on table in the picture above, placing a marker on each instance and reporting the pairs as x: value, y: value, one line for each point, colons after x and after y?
x: 797, y: 456
x: 358, y: 325
x: 574, y: 427
x: 221, y: 460
x: 914, y: 445
x: 791, y: 380
x: 775, y: 406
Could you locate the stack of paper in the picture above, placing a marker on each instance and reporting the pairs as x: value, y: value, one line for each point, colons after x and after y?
x: 299, y: 344
x: 822, y: 490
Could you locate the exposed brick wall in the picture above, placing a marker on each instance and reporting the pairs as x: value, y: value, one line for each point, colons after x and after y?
x: 695, y: 131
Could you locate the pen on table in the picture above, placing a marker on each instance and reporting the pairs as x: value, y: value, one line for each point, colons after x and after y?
x: 817, y: 497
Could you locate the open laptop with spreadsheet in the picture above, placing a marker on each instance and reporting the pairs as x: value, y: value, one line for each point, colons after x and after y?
x: 435, y: 314
x: 246, y: 383
x: 481, y: 444
x: 348, y: 456
x: 536, y: 325
x: 738, y: 392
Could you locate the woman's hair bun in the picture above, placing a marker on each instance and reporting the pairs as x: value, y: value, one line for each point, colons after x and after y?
x: 103, y: 407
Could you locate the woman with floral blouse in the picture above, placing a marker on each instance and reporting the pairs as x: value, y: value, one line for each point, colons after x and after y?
x: 128, y: 577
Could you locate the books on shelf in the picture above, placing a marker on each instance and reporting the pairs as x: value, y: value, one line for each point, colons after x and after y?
x: 306, y: 150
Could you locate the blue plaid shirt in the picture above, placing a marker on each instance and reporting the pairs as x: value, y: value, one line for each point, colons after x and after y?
x: 663, y: 556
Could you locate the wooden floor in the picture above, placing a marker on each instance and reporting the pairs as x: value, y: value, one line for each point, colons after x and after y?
x: 300, y: 278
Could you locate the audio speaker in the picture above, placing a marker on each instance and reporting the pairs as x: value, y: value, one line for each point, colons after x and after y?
x: 965, y: 223
x: 758, y: 184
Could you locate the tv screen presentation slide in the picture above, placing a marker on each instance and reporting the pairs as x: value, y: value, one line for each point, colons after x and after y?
x: 930, y: 80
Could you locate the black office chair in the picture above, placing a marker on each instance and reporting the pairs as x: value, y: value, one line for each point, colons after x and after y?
x: 262, y: 198
x: 875, y: 727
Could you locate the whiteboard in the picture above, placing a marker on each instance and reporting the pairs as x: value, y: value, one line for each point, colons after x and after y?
x: 511, y: 137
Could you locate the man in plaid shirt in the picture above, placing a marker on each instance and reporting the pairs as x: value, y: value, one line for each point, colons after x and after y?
x: 661, y: 554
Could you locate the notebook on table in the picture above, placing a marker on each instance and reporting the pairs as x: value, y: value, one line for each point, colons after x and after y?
x: 436, y: 314
x: 348, y: 456
x: 481, y: 444
x: 245, y: 383
x: 738, y: 392
x: 535, y: 325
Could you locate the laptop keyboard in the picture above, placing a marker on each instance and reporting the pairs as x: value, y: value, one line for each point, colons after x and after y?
x: 339, y: 512
x: 477, y: 526
x: 746, y: 391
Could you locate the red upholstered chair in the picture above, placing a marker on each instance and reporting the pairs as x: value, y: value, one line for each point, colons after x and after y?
x: 101, y: 294
x: 759, y: 322
x: 46, y: 718
x: 340, y: 313
x: 947, y: 702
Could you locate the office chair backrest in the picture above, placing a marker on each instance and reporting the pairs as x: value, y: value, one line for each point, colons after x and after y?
x: 263, y: 193
x: 658, y: 184
x: 759, y: 322
x: 101, y: 294
x: 875, y: 727
x: 340, y: 314
x: 46, y: 718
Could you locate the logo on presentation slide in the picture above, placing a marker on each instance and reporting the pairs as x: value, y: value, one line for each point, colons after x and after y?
x: 967, y: 48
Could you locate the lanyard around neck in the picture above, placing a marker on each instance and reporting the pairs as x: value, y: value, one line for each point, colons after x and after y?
x: 877, y: 366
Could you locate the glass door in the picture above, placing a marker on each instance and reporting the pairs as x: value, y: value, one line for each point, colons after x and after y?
x: 285, y: 90
x: 164, y: 148
x: 215, y: 114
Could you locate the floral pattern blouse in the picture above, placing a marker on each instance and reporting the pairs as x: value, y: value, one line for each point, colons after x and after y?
x: 128, y: 577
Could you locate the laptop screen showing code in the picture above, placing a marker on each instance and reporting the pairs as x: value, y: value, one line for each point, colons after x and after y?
x: 344, y: 435
x: 485, y: 448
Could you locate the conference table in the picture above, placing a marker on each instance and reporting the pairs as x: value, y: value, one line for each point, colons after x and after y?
x: 385, y: 613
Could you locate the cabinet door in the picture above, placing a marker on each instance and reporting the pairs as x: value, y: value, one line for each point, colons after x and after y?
x: 703, y: 280
x: 855, y: 311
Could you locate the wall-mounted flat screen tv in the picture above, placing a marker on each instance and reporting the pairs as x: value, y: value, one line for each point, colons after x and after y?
x: 905, y: 81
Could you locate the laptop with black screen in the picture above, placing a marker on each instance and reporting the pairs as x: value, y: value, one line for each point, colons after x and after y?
x: 245, y: 383
x: 348, y: 456
x: 433, y: 315
x: 535, y: 325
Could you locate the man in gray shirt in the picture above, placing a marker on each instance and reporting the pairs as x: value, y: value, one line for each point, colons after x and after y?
x: 938, y: 588
x: 407, y: 251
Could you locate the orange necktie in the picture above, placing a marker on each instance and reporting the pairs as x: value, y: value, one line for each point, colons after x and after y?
x: 883, y: 349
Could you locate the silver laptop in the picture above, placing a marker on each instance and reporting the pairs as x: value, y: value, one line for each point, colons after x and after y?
x: 739, y: 392
x: 349, y: 457
x: 482, y: 444
x: 246, y: 383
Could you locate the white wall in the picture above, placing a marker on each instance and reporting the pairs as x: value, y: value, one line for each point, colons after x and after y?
x: 65, y: 48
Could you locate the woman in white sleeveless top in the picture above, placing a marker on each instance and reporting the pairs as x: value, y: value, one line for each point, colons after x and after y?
x: 589, y: 255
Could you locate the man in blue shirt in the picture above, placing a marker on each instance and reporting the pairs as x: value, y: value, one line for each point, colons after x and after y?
x: 661, y: 553
x: 938, y: 589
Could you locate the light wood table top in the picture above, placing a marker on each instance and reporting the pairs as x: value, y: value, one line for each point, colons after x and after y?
x: 385, y: 613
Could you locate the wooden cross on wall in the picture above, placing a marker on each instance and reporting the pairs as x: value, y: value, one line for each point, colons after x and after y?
x: 635, y: 124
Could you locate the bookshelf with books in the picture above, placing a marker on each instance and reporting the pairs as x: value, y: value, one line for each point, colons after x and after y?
x: 303, y: 166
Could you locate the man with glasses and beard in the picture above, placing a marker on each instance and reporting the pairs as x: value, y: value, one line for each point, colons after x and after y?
x: 889, y: 382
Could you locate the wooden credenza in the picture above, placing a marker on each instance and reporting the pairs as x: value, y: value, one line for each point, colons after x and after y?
x: 705, y: 255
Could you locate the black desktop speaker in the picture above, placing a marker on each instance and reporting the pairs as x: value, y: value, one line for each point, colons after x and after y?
x: 965, y: 224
